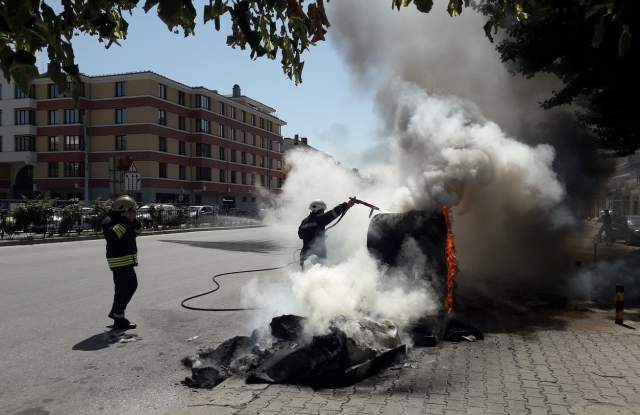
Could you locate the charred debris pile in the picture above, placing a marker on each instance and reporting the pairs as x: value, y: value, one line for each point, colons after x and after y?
x: 352, y: 348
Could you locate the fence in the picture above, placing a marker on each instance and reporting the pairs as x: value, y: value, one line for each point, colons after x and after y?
x: 48, y: 218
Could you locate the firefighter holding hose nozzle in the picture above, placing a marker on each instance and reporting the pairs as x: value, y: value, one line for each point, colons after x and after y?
x: 312, y: 228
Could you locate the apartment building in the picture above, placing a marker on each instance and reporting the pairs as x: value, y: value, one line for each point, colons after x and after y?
x: 189, y: 144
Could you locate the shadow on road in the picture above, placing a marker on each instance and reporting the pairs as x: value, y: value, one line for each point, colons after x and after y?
x: 93, y: 343
x: 260, y: 247
x: 106, y: 339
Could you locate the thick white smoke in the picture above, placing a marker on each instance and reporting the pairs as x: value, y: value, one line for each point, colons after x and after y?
x: 442, y: 151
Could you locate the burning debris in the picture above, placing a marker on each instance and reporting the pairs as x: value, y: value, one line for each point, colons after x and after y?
x: 351, y: 350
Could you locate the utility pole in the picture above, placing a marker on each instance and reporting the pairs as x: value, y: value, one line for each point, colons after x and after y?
x: 87, y: 167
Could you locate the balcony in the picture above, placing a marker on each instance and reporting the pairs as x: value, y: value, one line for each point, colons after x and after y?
x: 26, y: 157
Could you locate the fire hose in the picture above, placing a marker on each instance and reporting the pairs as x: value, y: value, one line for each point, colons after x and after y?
x: 218, y: 286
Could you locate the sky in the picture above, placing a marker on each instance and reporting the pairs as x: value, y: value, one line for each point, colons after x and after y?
x: 327, y: 107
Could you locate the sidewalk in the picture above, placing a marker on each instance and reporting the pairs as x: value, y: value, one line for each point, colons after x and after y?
x: 592, y: 366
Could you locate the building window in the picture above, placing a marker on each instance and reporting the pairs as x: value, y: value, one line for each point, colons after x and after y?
x: 52, y: 118
x: 243, y: 157
x: 25, y: 143
x: 233, y: 112
x: 162, y: 117
x: 121, y: 88
x: 202, y: 102
x: 263, y: 180
x: 253, y: 119
x: 74, y: 169
x: 222, y: 153
x: 233, y: 155
x: 257, y: 141
x: 162, y: 170
x: 162, y: 144
x: 203, y: 126
x: 223, y: 178
x: 270, y: 126
x: 203, y: 173
x: 244, y: 136
x: 73, y: 143
x: 53, y: 169
x: 279, y: 164
x: 262, y: 123
x: 203, y: 150
x: 244, y: 178
x: 182, y: 123
x: 254, y: 159
x: 182, y: 173
x: 233, y: 176
x: 52, y: 92
x: 162, y: 91
x: 221, y: 131
x: 54, y: 143
x: 232, y: 134
x: 121, y: 115
x: 222, y: 108
x: 19, y: 94
x: 253, y: 179
x: 25, y: 117
x: 243, y: 116
x: 182, y: 148
x: 252, y: 139
x: 121, y: 142
x: 72, y: 116
x: 180, y: 98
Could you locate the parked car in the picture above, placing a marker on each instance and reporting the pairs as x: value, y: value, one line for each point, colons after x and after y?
x: 633, y: 226
x: 156, y: 214
x: 201, y: 214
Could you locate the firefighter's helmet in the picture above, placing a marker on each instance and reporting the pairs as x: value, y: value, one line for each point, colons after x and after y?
x: 123, y: 204
x: 317, y: 206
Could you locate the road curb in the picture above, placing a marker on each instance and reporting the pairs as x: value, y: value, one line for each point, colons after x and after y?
x: 15, y: 242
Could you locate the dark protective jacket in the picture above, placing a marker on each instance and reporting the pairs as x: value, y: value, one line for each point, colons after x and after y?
x: 311, y: 230
x: 120, y: 234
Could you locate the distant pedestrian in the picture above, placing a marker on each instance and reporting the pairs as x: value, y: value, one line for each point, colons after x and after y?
x: 120, y: 229
x: 606, y: 228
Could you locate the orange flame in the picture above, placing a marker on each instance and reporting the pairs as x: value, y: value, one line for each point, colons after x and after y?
x: 452, y: 263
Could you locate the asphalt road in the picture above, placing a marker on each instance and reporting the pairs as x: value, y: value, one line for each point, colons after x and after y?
x: 54, y: 355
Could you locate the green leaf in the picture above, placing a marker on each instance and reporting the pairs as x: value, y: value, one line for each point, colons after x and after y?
x: 23, y: 76
x: 454, y: 8
x: 424, y: 6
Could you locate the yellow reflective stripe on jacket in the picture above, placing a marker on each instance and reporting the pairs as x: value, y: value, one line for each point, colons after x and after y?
x: 119, y: 230
x: 123, y: 261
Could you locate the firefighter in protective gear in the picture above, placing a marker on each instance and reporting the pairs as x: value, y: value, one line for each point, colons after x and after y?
x: 311, y: 230
x: 120, y: 229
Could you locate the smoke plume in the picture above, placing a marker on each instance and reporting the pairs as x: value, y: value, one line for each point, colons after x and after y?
x: 459, y: 130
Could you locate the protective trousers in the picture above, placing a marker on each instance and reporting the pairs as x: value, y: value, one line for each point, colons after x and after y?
x: 126, y: 283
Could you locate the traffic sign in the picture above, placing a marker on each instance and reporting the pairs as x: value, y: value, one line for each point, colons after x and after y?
x: 132, y: 179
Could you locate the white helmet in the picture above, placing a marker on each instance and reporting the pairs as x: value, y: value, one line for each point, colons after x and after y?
x: 317, y: 206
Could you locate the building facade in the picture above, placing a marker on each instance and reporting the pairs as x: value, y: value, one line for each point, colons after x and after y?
x: 189, y: 144
x: 621, y: 194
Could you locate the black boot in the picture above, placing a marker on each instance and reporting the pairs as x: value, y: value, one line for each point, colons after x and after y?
x: 123, y: 324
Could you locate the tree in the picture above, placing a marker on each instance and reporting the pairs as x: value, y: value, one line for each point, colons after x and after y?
x: 587, y: 43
